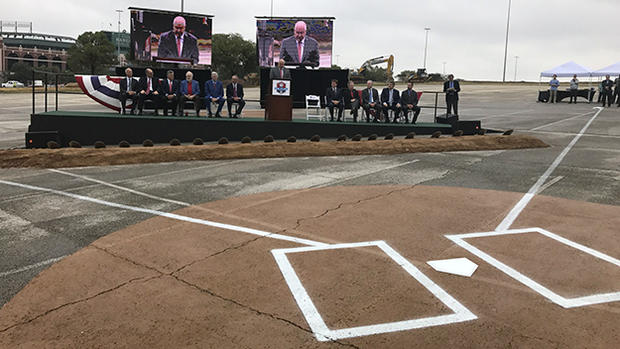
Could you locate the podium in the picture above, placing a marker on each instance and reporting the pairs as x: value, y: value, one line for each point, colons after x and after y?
x: 279, y: 104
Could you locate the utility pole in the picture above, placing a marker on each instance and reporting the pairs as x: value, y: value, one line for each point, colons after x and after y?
x: 444, y: 67
x: 271, y: 8
x: 426, y: 45
x: 516, y: 62
x: 182, y: 3
x: 506, y: 48
x: 118, y: 36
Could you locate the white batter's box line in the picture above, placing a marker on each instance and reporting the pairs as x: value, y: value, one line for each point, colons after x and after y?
x: 320, y: 329
x: 537, y: 287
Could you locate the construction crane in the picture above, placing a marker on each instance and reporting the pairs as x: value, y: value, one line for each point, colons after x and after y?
x: 357, y: 74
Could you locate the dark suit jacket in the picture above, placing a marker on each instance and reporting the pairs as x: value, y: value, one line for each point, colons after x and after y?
x: 385, y: 96
x: 366, y: 96
x: 288, y: 51
x: 406, y: 98
x: 165, y: 87
x: 168, y: 46
x: 607, y: 85
x: 348, y: 95
x: 334, y: 96
x: 216, y: 91
x: 457, y: 87
x: 142, y: 84
x: 230, y: 91
x: 123, y: 85
x: 274, y: 73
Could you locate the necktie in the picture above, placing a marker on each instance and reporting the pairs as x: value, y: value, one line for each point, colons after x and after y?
x: 281, y: 73
x: 235, y: 90
x: 170, y: 86
x: 370, y: 93
x: 128, y: 84
x: 179, y: 46
x: 390, y: 101
x: 299, y: 50
x: 189, y: 88
x: 148, y: 86
x: 451, y: 84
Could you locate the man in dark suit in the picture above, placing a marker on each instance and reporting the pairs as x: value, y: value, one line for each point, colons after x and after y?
x: 409, y: 102
x: 334, y: 99
x: 279, y: 72
x: 234, y: 94
x: 300, y: 48
x: 607, y: 91
x: 149, y: 90
x: 452, y: 89
x: 371, y: 101
x: 189, y: 91
x: 214, y: 93
x: 170, y: 93
x: 128, y: 87
x: 351, y: 99
x: 390, y: 100
x: 178, y: 43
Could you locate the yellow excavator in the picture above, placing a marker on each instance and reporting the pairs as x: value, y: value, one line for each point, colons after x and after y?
x: 356, y: 75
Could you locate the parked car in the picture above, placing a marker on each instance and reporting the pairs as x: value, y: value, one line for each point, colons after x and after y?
x: 12, y: 83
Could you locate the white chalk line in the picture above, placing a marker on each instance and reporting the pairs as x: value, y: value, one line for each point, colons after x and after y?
x: 549, y: 184
x: 31, y: 266
x: 320, y: 329
x: 560, y: 121
x: 525, y: 200
x: 170, y: 215
x: 537, y: 287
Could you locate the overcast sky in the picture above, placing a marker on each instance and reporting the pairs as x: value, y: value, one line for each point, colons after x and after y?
x: 466, y: 34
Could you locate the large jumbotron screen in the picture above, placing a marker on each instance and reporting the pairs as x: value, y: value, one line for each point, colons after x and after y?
x: 170, y: 37
x: 287, y: 38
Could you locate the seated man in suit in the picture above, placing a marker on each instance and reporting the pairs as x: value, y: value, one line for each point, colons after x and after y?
x: 190, y: 91
x: 128, y: 87
x: 333, y: 98
x: 234, y: 94
x: 279, y: 72
x: 351, y: 99
x: 170, y: 93
x: 409, y: 102
x: 149, y: 90
x: 390, y: 100
x: 371, y: 102
x: 214, y: 93
x: 178, y: 43
x: 300, y: 48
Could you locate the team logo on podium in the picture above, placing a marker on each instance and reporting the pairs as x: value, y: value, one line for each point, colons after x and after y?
x: 281, y: 87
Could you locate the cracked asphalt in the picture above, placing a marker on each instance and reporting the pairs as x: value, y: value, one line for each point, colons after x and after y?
x: 38, y: 228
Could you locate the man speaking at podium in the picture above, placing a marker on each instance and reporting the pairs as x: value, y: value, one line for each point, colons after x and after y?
x: 279, y: 72
x: 177, y: 43
x: 300, y: 48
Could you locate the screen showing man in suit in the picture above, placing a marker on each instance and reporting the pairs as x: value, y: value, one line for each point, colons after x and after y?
x: 171, y: 37
x: 306, y: 42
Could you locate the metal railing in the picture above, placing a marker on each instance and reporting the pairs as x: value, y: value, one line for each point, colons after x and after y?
x: 46, y: 82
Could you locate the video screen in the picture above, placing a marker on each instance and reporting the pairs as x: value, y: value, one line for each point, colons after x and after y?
x: 298, y: 41
x: 171, y: 37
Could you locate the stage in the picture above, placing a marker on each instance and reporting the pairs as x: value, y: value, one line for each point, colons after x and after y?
x: 111, y: 128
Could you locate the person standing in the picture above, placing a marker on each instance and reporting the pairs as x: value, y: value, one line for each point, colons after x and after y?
x: 370, y: 101
x: 214, y: 93
x: 352, y: 99
x: 170, y: 93
x: 409, y: 101
x: 234, y: 94
x: 607, y: 92
x: 128, y: 87
x: 617, y: 91
x: 334, y: 99
x: 390, y: 100
x: 190, y: 90
x: 574, y: 89
x: 452, y: 89
x: 149, y: 90
x: 554, y: 84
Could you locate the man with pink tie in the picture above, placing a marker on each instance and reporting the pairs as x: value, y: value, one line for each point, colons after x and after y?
x: 280, y: 72
x: 178, y: 43
x: 234, y: 94
x: 300, y: 48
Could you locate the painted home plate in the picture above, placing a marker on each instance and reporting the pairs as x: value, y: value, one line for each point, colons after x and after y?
x: 456, y: 266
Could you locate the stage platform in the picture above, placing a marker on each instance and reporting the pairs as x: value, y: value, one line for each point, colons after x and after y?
x: 111, y: 128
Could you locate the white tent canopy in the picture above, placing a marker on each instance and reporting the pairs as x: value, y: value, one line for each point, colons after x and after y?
x: 567, y: 70
x: 612, y: 70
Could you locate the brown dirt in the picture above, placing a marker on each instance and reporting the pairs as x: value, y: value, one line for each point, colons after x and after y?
x: 164, y: 283
x: 72, y: 157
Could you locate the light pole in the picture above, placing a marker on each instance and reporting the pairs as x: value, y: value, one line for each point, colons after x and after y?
x: 182, y: 3
x: 506, y: 47
x: 427, y: 29
x: 516, y: 62
x: 271, y: 8
x: 444, y: 67
x: 118, y: 36
x: 337, y: 59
